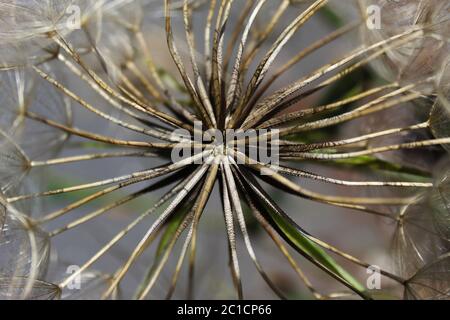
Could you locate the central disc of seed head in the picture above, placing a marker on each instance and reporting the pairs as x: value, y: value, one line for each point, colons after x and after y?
x: 218, y: 143
x: 240, y: 146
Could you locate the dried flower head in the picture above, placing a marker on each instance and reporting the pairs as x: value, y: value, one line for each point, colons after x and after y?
x: 201, y: 97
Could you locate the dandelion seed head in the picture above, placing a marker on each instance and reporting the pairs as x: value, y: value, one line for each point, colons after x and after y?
x: 19, y: 245
x: 419, y: 58
x: 109, y: 93
x: 14, y: 288
x: 430, y: 283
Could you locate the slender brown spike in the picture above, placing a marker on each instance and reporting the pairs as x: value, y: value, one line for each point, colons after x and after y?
x: 346, y: 256
x: 59, y: 213
x: 373, y: 106
x: 77, y: 204
x: 303, y: 54
x: 352, y: 141
x: 179, y: 264
x: 88, y: 157
x: 181, y: 68
x: 296, y: 189
x: 149, y: 110
x: 263, y: 36
x: 112, y: 101
x: 148, y: 85
x: 154, y: 229
x: 370, y: 151
x: 353, y: 207
x: 264, y: 111
x: 150, y: 64
x: 262, y: 197
x: 231, y: 235
x: 201, y: 89
x: 151, y: 89
x: 364, y: 209
x: 277, y: 241
x: 369, y: 108
x: 170, y: 194
x: 257, y: 166
x: 236, y: 202
x: 194, y: 216
x: 299, y: 115
x: 96, y: 213
x: 233, y: 92
x: 145, y: 175
x: 272, y: 101
x: 93, y: 49
x: 98, y: 137
x: 202, y: 201
x: 313, y: 176
x: 354, y: 259
x: 86, y: 105
x: 216, y: 86
x: 169, y: 101
x: 235, y: 34
x: 332, y: 200
x: 207, y: 42
x: 157, y: 269
x: 267, y: 61
x: 129, y: 89
x: 324, y: 84
x: 32, y: 277
x: 125, y: 181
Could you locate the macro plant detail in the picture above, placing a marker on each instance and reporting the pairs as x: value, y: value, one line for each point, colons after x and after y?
x: 124, y: 85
